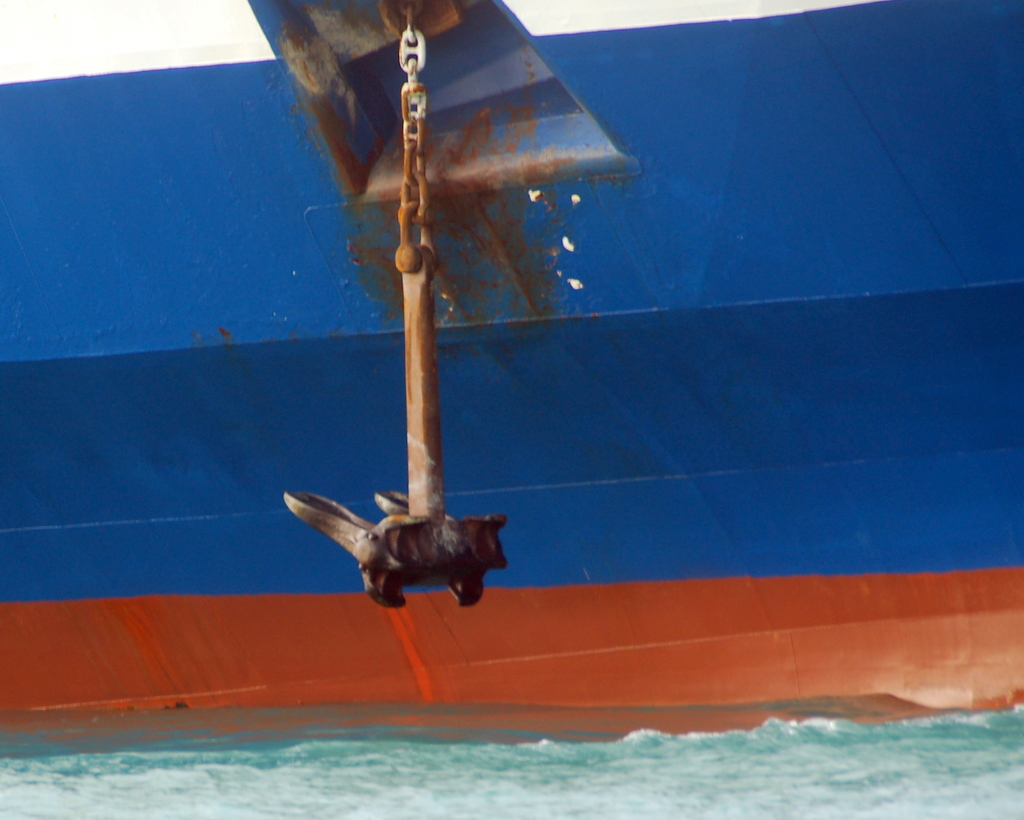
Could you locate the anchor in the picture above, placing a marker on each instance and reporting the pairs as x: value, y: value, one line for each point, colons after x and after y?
x: 417, y: 543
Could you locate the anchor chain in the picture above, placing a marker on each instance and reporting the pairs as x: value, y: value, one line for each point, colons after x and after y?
x: 416, y: 264
x: 417, y: 543
x: 415, y: 191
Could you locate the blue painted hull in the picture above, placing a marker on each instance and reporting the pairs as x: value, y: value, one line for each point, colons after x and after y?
x: 871, y: 434
x: 797, y: 349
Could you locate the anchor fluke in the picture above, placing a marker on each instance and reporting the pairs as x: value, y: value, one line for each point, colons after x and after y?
x: 329, y: 517
x: 392, y: 502
x: 406, y: 550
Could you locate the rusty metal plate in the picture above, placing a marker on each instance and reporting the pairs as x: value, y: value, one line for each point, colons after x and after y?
x: 432, y: 16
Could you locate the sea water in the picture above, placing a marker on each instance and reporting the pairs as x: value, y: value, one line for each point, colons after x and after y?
x: 943, y: 766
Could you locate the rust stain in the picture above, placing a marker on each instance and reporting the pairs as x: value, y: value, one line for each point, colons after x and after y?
x: 476, y: 141
x: 314, y: 61
x: 371, y: 242
x: 334, y: 131
x: 433, y: 18
x: 473, y: 136
x: 405, y: 631
x: 315, y: 67
x: 486, y: 228
x: 522, y: 126
x: 149, y: 648
x: 497, y: 260
x: 490, y: 265
x: 350, y: 28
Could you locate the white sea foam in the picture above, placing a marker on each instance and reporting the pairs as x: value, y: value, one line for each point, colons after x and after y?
x: 813, y: 725
x: 950, y: 766
x: 638, y: 735
x: 980, y: 719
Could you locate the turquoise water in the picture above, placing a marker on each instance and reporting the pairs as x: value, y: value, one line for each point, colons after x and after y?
x: 948, y: 766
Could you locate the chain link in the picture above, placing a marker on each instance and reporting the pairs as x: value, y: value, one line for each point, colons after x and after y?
x: 415, y: 193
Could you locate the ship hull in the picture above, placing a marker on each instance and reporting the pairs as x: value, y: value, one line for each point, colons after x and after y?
x: 743, y: 368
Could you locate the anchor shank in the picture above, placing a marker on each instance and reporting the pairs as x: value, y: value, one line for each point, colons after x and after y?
x: 422, y: 403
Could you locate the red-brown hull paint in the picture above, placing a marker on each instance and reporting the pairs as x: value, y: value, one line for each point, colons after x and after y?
x: 952, y: 640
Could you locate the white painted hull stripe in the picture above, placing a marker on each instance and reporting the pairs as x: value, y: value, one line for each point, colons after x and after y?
x: 543, y: 17
x: 52, y: 39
